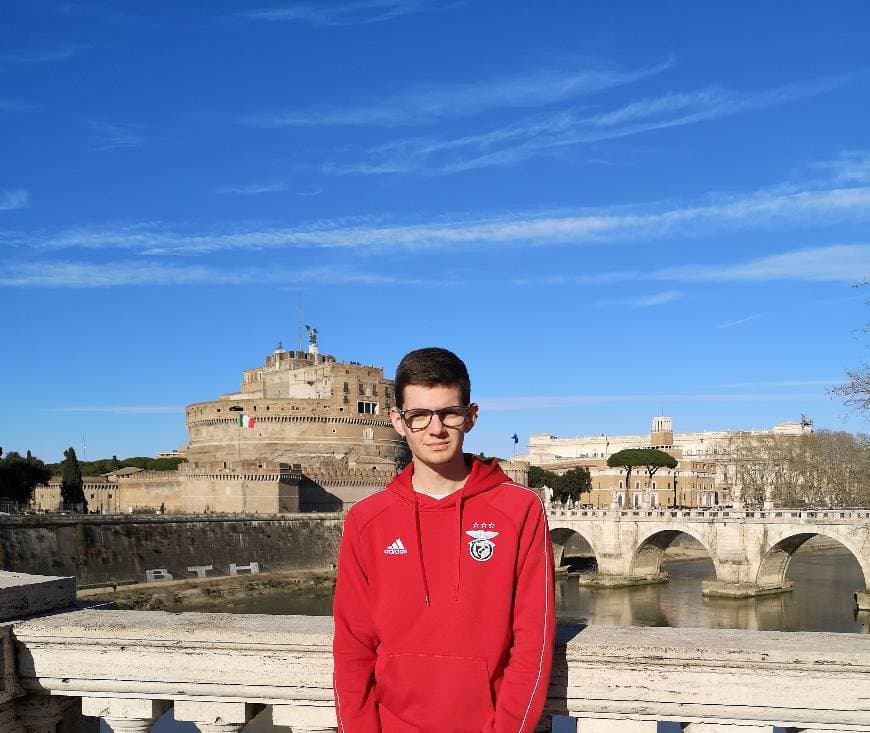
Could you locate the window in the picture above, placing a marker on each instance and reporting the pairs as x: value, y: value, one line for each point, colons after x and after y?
x: 346, y: 389
x: 367, y: 408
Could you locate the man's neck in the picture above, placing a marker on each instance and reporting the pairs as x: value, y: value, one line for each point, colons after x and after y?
x: 439, y: 481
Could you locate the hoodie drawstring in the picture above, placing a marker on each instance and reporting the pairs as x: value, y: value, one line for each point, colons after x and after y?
x: 420, y: 550
x: 458, y: 543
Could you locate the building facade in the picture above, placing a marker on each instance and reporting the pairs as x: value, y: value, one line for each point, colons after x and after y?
x: 704, y: 475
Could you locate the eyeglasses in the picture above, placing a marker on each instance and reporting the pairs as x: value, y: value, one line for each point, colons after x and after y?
x: 419, y: 418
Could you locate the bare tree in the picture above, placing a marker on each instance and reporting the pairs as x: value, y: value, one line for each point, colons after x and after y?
x: 825, y: 468
x: 855, y: 391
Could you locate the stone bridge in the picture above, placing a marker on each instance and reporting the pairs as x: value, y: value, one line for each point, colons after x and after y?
x: 750, y: 550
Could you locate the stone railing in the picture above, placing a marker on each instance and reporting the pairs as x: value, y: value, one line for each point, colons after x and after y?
x: 221, y: 670
x: 849, y: 516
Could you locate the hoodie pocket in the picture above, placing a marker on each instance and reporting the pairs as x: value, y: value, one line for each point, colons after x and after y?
x: 434, y: 694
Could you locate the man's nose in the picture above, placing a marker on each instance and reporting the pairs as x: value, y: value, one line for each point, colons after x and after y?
x: 436, y: 427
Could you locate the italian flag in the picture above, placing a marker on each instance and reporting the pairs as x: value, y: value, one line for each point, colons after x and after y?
x: 246, y: 421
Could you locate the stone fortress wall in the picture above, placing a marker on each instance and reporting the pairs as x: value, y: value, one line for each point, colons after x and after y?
x: 103, y: 549
x: 321, y: 439
x: 308, y: 408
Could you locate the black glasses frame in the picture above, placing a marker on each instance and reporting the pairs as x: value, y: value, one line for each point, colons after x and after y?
x: 441, y: 412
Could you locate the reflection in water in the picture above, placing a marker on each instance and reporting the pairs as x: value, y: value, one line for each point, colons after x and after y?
x: 822, y: 600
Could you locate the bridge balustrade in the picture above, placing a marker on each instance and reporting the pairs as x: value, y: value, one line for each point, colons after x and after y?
x: 62, y: 671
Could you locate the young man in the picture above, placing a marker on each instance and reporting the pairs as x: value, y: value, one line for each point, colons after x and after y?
x: 444, y: 619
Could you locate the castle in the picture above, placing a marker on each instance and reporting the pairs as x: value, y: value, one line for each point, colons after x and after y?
x: 304, y: 432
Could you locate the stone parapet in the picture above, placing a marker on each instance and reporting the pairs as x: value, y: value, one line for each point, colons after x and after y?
x: 28, y: 595
x: 227, y: 667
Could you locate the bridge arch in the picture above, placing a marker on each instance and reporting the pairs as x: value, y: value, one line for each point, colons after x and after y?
x: 647, y: 558
x: 562, y: 537
x: 774, y: 564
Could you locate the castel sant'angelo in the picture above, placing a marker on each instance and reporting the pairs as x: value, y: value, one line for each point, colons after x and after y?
x: 304, y: 432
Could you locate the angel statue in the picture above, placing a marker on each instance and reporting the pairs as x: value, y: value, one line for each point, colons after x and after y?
x: 312, y: 335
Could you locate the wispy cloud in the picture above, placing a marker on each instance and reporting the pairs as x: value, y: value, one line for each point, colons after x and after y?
x: 119, y: 274
x: 316, y: 191
x: 844, y: 263
x: 546, y: 132
x: 642, y: 301
x: 104, y: 12
x: 251, y: 189
x: 108, y: 136
x: 758, y: 211
x: 785, y: 383
x: 849, y: 167
x: 14, y: 105
x: 519, y: 403
x: 741, y: 321
x: 43, y: 56
x: 836, y: 263
x: 425, y: 105
x: 363, y: 12
x: 122, y: 409
x: 17, y: 198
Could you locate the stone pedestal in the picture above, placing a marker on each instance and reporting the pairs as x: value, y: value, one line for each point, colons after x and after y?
x: 615, y: 725
x: 727, y: 728
x: 9, y: 722
x: 42, y: 713
x: 125, y: 715
x: 24, y: 595
x: 216, y: 717
x: 599, y: 580
x: 721, y: 589
x: 305, y: 718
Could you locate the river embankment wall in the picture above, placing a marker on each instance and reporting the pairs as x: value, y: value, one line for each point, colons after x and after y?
x: 106, y: 549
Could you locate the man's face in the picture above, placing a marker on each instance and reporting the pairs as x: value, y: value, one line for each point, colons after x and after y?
x: 437, y: 444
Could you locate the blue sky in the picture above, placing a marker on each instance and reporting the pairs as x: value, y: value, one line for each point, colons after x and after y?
x: 607, y: 209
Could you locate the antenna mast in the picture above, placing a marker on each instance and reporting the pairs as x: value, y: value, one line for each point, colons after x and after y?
x: 299, y: 321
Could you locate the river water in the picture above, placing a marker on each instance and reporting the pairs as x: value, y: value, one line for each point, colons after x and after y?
x: 822, y: 600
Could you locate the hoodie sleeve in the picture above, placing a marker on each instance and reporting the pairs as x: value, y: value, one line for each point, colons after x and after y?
x: 527, y: 675
x: 355, y: 641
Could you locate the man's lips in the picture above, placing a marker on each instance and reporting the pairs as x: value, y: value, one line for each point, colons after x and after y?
x: 438, y: 446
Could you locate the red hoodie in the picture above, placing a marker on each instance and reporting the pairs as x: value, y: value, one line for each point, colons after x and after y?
x: 444, y: 619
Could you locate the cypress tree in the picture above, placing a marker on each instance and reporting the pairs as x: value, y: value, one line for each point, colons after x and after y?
x: 72, y: 486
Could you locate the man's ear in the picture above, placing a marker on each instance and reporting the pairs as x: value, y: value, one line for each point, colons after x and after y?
x: 471, y: 417
x: 398, y: 423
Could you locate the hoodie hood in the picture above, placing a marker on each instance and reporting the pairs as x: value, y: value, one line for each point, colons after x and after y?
x: 483, y: 476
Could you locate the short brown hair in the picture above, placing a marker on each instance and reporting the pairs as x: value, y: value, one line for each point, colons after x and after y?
x: 432, y: 367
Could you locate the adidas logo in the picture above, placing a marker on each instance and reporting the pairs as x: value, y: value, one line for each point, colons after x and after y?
x: 397, y: 548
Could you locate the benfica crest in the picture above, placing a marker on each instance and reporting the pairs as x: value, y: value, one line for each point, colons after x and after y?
x: 481, y: 546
